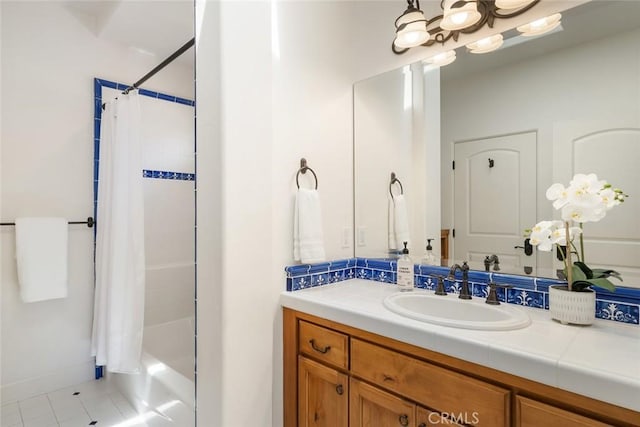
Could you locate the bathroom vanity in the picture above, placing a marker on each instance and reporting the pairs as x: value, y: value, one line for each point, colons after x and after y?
x: 348, y: 361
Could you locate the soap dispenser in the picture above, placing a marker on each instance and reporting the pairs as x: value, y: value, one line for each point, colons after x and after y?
x: 429, y: 257
x: 405, y: 270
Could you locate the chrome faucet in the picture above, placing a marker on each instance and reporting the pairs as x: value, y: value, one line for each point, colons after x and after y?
x: 464, y: 289
x: 493, y: 259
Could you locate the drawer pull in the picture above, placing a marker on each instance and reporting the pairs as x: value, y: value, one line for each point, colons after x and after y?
x: 387, y: 378
x: 322, y: 350
x: 339, y: 389
x: 422, y: 425
x: 404, y: 420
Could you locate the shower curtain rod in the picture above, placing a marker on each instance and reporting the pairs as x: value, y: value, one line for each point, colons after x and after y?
x: 160, y: 66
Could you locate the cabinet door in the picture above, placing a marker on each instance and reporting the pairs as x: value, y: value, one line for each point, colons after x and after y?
x: 372, y: 407
x: 323, y: 395
x: 531, y: 413
x: 427, y: 418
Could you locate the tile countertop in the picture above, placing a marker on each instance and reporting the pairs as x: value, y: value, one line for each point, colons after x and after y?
x: 601, y: 361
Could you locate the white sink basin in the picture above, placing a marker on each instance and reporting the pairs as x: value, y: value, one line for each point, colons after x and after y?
x: 451, y: 311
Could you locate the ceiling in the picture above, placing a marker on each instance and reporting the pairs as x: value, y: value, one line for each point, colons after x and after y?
x: 155, y: 27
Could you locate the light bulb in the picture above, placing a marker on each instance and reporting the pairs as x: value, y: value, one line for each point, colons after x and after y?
x: 540, y: 26
x: 459, y: 17
x: 487, y: 44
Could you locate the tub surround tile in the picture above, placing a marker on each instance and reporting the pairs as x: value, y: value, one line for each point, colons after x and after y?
x: 621, y: 306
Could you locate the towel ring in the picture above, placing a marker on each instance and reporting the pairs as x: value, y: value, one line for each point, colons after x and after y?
x: 303, y: 169
x: 394, y: 179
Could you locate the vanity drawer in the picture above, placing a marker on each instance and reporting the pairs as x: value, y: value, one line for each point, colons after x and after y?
x: 531, y: 413
x: 323, y: 344
x: 435, y: 387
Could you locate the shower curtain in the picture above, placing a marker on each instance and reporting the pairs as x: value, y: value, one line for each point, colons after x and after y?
x: 120, y: 263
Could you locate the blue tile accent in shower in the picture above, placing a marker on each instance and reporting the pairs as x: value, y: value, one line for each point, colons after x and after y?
x: 616, y: 311
x: 166, y: 97
x: 185, y: 101
x: 177, y: 176
x: 621, y: 306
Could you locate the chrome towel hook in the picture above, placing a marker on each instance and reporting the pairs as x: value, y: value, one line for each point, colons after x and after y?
x: 303, y: 169
x: 394, y: 179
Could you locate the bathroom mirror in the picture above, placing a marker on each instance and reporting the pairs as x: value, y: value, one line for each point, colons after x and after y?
x: 520, y: 118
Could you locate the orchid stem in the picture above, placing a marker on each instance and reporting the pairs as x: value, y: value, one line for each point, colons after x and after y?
x: 582, y: 245
x: 568, y: 257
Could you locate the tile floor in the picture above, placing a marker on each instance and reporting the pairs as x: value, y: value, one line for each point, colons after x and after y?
x: 94, y: 403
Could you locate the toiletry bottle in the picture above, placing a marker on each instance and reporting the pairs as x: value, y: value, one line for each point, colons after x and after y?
x: 405, y: 270
x: 429, y: 257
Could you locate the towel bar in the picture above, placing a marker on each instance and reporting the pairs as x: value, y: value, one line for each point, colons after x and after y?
x: 394, y: 179
x: 303, y: 169
x: 89, y: 222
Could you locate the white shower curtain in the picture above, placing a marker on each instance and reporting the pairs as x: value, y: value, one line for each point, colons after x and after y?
x: 118, y: 317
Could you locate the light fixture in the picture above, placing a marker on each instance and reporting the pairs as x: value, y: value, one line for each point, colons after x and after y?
x: 487, y: 44
x: 540, y: 26
x: 442, y: 59
x: 459, y: 14
x: 512, y: 4
x: 411, y: 27
x: 458, y: 17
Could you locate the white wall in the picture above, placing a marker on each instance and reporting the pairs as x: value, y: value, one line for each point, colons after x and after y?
x: 49, y: 60
x: 592, y: 81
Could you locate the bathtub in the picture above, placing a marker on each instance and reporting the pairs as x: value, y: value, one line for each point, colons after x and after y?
x: 165, y: 383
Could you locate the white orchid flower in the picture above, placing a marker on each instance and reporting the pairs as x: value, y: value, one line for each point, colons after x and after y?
x: 587, y: 183
x: 559, y: 235
x: 558, y: 194
x: 609, y: 197
x: 582, y: 214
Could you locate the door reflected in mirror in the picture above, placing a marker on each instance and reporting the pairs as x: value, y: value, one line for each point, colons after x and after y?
x: 514, y: 121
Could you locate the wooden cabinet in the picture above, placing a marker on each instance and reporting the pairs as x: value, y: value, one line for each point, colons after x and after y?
x: 435, y: 387
x: 336, y: 375
x: 323, y: 395
x: 427, y: 418
x: 372, y: 407
x: 531, y: 413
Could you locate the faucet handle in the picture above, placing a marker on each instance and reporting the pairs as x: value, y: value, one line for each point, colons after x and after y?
x: 492, y: 298
x: 440, y: 289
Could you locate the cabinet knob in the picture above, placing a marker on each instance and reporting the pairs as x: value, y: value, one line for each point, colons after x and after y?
x: 404, y: 420
x: 322, y: 350
x: 339, y: 389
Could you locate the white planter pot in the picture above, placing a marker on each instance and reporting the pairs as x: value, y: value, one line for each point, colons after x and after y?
x: 577, y: 308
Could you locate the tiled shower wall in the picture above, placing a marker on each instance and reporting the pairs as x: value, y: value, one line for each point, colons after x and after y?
x: 169, y: 172
x: 623, y: 305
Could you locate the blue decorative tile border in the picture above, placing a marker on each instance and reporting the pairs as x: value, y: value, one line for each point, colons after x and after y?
x: 623, y: 305
x: 182, y: 176
x: 98, y: 84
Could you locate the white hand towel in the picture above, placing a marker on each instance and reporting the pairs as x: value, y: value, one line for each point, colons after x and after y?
x: 308, y: 241
x: 400, y: 221
x: 391, y: 226
x: 41, y: 255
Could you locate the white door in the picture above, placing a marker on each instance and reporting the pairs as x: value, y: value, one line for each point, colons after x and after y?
x: 495, y: 200
x: 612, y: 151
